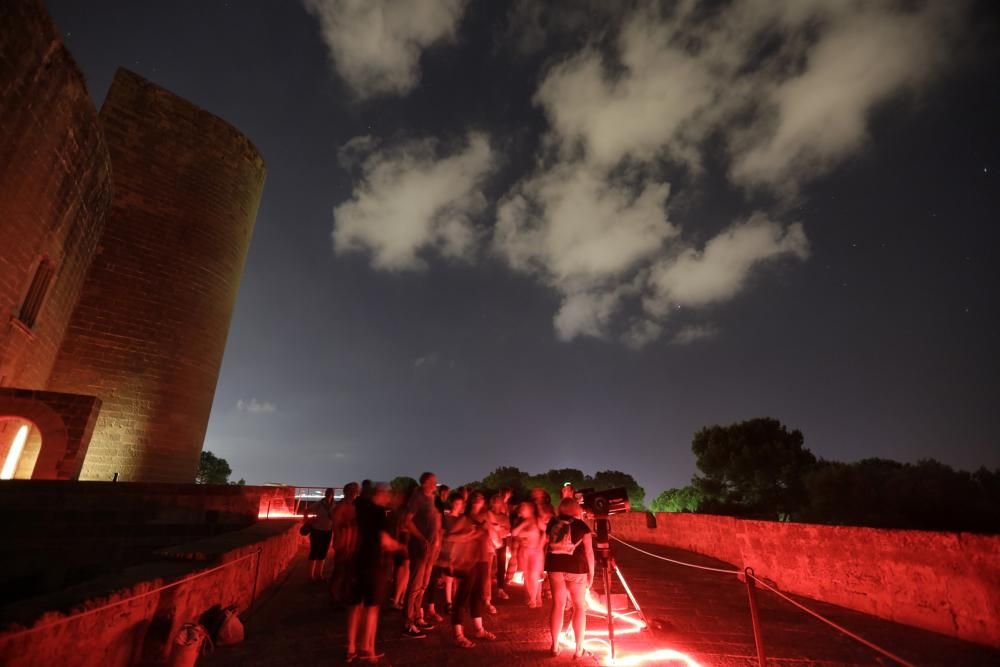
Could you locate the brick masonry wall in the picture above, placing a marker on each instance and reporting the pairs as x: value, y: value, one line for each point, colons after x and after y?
x: 945, y: 582
x: 142, y: 628
x: 55, y: 187
x: 151, y: 326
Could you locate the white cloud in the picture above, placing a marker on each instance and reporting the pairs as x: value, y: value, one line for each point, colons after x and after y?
x: 781, y: 90
x: 785, y: 87
x: 413, y: 197
x: 425, y: 361
x: 720, y: 270
x: 693, y: 333
x: 787, y: 113
x: 585, y: 235
x: 375, y: 45
x: 812, y: 120
x: 255, y: 407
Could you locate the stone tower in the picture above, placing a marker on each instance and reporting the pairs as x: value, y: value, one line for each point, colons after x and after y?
x: 148, y: 333
x: 55, y: 189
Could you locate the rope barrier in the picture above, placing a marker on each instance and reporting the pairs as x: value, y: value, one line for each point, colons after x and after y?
x: 676, y: 562
x: 116, y: 603
x: 855, y: 637
x: 763, y: 584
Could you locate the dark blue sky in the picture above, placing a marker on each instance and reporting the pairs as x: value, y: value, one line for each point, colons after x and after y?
x: 879, y: 342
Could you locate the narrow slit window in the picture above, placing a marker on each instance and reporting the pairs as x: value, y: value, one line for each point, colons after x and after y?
x: 36, y: 293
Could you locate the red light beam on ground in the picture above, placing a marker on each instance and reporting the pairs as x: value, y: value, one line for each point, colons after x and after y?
x: 601, y: 648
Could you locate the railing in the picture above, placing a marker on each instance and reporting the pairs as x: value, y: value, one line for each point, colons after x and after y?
x: 82, y: 614
x: 279, y: 506
x: 752, y: 581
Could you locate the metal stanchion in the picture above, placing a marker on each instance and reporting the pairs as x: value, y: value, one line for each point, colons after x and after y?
x: 755, y: 616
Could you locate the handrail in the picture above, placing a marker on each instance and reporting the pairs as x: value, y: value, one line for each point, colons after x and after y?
x: 116, y: 603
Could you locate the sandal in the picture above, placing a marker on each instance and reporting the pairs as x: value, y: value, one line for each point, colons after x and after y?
x: 351, y: 656
x: 485, y: 634
x: 462, y: 641
x: 371, y: 657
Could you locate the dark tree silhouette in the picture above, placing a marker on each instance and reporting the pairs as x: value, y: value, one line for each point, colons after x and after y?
x: 403, y: 484
x: 685, y: 499
x: 753, y: 468
x: 212, y: 469
x: 613, y: 479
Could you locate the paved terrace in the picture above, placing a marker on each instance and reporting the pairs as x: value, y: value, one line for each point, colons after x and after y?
x: 701, y: 614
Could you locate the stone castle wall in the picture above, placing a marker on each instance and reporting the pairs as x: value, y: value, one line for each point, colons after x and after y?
x: 944, y: 582
x: 150, y: 329
x: 55, y: 188
x: 142, y: 215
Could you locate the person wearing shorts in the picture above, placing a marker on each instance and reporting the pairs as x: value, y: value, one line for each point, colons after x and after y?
x: 320, y: 534
x: 570, y: 574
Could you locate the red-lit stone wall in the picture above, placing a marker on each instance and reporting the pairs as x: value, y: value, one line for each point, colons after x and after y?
x: 54, y: 187
x: 945, y: 582
x: 135, y: 619
x: 149, y: 332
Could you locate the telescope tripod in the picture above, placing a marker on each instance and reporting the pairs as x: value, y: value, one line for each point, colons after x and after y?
x: 605, y: 564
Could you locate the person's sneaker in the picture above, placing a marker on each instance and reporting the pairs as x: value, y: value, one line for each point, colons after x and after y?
x: 413, y: 633
x: 424, y: 625
x: 490, y: 608
x: 502, y: 594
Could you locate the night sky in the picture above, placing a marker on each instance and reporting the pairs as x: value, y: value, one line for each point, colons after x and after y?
x: 572, y: 234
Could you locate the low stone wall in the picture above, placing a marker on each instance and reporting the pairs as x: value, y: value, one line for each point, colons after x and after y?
x: 131, y: 618
x: 945, y: 582
x: 113, y: 525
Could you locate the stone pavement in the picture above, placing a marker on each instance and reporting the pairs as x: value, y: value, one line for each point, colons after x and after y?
x: 702, y: 614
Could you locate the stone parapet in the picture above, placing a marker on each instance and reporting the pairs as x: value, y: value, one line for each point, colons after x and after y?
x: 945, y: 582
x: 133, y: 616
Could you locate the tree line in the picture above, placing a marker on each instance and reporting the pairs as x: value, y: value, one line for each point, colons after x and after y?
x: 760, y: 469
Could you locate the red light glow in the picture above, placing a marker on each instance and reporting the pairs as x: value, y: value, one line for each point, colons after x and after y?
x: 278, y: 514
x: 601, y: 648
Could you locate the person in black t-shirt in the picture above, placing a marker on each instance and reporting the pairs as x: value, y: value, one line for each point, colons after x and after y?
x: 371, y: 575
x: 569, y: 560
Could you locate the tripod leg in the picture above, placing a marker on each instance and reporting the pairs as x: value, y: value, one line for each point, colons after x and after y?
x: 607, y: 605
x: 631, y: 597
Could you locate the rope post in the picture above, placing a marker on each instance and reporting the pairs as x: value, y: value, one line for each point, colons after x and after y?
x: 758, y: 638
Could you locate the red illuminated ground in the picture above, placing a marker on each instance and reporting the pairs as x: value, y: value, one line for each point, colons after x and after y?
x: 697, y: 618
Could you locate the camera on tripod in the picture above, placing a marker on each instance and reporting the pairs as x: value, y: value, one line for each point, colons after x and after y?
x: 604, y: 503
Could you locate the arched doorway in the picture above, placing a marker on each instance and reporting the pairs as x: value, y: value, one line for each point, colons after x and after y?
x: 52, y: 428
x: 13, y: 437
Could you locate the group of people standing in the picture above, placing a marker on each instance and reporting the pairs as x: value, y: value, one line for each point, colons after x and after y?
x: 450, y: 547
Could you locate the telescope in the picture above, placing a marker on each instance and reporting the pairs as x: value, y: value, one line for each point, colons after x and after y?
x: 604, y: 503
